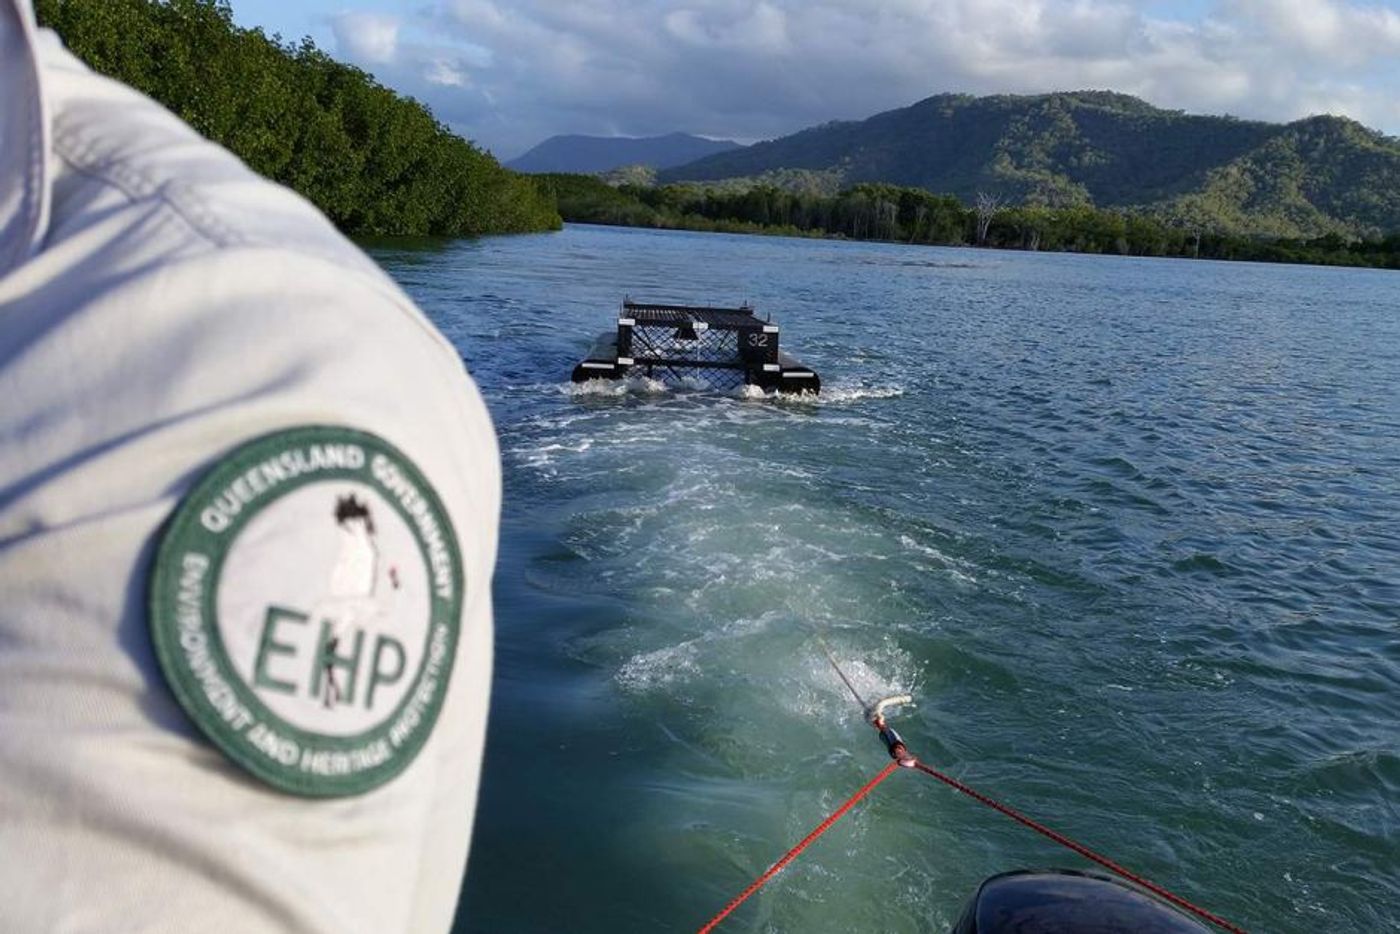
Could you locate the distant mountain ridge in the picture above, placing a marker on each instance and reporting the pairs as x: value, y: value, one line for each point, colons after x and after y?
x: 1311, y: 177
x: 592, y: 154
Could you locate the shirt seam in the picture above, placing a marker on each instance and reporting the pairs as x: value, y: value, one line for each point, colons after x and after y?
x: 216, y: 234
x: 106, y: 176
x: 34, y: 187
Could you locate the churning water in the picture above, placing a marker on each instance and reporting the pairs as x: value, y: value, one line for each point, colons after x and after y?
x: 1126, y: 528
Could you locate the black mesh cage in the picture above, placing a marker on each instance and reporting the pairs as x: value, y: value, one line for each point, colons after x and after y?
x: 695, y: 346
x: 685, y: 343
x: 717, y: 348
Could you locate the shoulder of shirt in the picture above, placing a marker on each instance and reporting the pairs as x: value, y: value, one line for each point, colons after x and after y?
x: 118, y: 137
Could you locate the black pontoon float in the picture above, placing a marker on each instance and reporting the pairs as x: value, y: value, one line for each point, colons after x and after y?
x: 719, y: 348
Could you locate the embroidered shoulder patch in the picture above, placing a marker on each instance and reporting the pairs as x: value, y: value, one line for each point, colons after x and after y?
x: 305, y: 604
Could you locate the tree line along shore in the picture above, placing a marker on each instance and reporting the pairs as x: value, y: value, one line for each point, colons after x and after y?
x: 375, y: 162
x: 913, y: 215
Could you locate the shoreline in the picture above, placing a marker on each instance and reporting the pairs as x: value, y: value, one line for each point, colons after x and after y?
x: 780, y: 234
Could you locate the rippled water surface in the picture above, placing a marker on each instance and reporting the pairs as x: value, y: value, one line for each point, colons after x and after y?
x: 1127, y: 529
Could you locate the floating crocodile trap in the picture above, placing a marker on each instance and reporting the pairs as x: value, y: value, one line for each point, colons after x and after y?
x: 691, y: 345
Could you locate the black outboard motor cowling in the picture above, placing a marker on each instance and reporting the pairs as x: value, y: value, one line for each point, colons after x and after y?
x: 1065, y: 901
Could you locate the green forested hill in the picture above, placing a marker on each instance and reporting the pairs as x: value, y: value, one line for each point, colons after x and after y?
x: 1094, y: 148
x: 373, y: 161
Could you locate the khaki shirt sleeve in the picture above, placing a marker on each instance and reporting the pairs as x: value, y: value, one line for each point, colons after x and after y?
x: 180, y: 307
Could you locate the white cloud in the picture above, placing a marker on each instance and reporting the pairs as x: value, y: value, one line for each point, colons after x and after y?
x: 367, y: 38
x: 510, y: 72
x: 760, y: 28
x: 445, y: 73
x: 1324, y: 31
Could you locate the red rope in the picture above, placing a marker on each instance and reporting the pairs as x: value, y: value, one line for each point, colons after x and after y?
x: 791, y: 854
x: 1082, y: 850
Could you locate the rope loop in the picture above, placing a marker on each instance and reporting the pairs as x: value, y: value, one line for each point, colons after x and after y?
x: 903, y: 758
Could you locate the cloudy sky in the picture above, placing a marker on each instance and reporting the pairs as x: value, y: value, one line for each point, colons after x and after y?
x: 508, y: 73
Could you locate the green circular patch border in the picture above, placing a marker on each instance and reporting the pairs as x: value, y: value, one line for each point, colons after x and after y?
x: 184, y: 533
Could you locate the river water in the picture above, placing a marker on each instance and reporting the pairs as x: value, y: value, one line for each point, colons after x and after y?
x: 1125, y: 528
